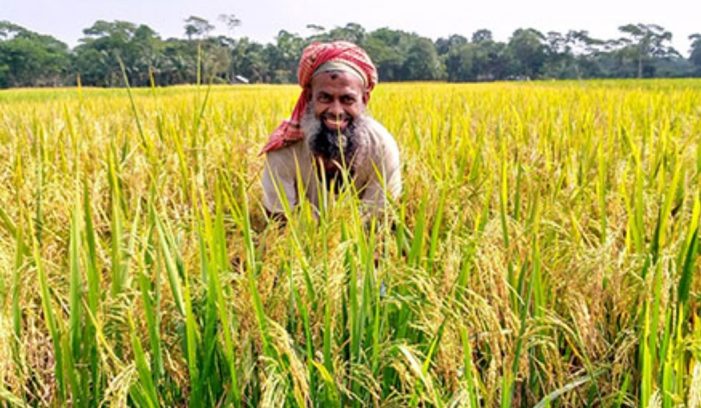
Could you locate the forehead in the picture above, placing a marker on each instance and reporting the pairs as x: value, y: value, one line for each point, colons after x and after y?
x: 337, y: 82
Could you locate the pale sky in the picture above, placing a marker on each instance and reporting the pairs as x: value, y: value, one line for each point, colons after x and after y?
x: 262, y: 19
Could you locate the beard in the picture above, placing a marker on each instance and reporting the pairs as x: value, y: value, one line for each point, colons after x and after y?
x: 333, y: 149
x: 334, y: 146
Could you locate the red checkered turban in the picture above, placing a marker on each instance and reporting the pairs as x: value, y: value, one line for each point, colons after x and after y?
x: 313, y: 57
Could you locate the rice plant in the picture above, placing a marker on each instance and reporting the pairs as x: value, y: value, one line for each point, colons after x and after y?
x: 543, y: 253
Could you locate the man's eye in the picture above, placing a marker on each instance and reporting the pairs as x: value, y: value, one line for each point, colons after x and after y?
x: 348, y: 100
x: 324, y: 98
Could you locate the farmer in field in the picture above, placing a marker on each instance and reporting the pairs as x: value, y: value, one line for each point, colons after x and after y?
x: 330, y: 134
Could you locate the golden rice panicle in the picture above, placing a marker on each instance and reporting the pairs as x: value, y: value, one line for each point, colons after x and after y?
x: 543, y: 253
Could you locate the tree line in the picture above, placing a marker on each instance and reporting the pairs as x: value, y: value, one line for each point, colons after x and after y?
x: 107, y: 50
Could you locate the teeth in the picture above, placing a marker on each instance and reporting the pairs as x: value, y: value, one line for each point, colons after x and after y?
x: 335, y: 122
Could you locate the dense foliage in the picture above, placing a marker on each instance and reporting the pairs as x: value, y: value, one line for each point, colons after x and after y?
x: 31, y: 59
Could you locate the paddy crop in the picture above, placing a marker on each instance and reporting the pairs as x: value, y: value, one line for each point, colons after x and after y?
x: 543, y: 252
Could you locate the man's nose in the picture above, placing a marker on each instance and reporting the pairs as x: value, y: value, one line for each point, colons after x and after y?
x: 336, y: 109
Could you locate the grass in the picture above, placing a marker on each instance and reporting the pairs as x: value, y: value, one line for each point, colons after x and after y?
x: 544, y: 252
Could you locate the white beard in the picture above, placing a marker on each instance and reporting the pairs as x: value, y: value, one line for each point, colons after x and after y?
x: 351, y: 142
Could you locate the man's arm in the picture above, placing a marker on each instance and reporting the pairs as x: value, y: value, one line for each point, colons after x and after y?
x: 385, y: 179
x: 279, y: 182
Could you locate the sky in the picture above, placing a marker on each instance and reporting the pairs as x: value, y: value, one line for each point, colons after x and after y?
x: 262, y: 19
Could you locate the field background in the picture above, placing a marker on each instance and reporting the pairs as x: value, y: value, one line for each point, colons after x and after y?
x: 544, y: 252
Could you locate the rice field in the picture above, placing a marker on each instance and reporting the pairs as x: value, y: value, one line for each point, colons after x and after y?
x: 543, y: 253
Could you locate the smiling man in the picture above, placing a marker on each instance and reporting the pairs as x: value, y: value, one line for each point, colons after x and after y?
x: 331, y: 134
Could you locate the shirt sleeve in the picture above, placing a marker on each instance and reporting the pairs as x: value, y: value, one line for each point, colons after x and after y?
x: 385, y: 180
x: 279, y: 181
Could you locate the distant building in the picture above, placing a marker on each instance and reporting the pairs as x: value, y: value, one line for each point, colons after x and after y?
x: 241, y: 80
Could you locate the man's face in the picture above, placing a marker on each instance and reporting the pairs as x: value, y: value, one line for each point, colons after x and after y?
x: 338, y: 98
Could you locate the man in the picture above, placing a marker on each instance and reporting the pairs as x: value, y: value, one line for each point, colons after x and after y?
x: 330, y: 137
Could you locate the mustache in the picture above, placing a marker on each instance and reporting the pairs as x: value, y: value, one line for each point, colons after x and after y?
x: 331, y: 116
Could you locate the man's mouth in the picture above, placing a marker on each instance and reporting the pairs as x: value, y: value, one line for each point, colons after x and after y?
x: 335, y: 123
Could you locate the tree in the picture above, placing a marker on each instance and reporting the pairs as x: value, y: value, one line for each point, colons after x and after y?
x: 445, y: 45
x: 560, y: 62
x: 352, y: 32
x: 231, y: 21
x: 386, y: 48
x: 422, y: 62
x: 647, y: 42
x: 482, y: 59
x: 9, y: 30
x: 695, y: 55
x: 249, y: 61
x: 105, y: 43
x: 212, y: 54
x: 178, y: 62
x: 528, y: 51
x: 31, y: 59
x: 283, y: 56
x: 481, y: 36
x: 460, y: 63
x: 585, y: 52
x: 316, y: 28
x: 197, y: 27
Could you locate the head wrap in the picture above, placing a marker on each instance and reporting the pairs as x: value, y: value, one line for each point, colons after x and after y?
x: 316, y: 58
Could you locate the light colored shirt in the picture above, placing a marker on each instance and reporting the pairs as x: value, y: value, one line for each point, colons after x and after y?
x: 376, y: 171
